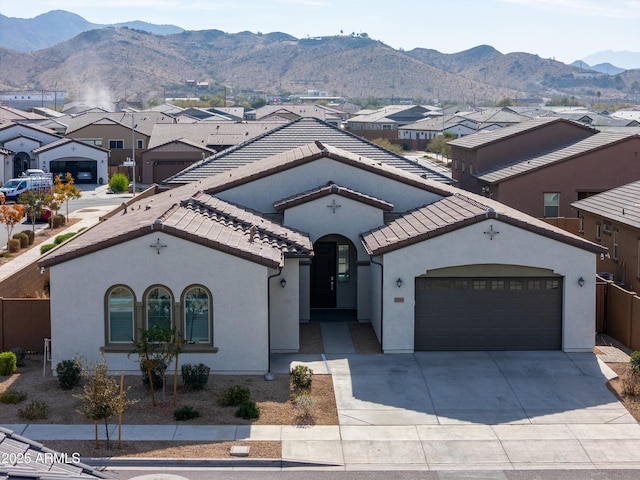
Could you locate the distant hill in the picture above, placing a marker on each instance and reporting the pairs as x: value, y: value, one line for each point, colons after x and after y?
x: 601, y: 67
x: 624, y: 59
x: 49, y: 29
x: 142, y: 66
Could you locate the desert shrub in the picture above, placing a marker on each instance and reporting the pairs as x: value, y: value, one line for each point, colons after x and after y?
x: 119, y: 183
x: 23, y: 238
x: 248, y: 410
x: 20, y: 355
x: 185, y: 413
x: 31, y: 235
x: 630, y: 383
x: 8, y: 363
x: 58, y: 221
x: 12, y: 396
x: 158, y: 367
x: 45, y: 248
x: 634, y: 362
x: 61, y: 238
x: 306, y: 403
x: 195, y: 376
x: 301, y: 377
x: 34, y: 410
x: 69, y: 373
x: 13, y: 245
x: 234, y: 396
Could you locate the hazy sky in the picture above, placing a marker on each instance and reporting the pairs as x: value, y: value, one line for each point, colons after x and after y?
x: 566, y: 30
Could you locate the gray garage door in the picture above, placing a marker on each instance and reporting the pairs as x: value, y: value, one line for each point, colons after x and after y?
x: 497, y: 313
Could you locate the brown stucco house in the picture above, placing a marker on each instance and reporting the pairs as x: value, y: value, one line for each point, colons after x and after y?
x: 542, y: 166
x: 612, y: 219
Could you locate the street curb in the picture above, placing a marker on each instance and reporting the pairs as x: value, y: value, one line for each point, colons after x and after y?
x: 114, y: 462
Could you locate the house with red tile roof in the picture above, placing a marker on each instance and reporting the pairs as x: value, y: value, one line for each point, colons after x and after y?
x: 250, y: 243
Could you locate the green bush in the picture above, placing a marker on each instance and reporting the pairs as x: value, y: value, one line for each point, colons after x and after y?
x: 34, y: 410
x: 8, y: 362
x: 195, y: 376
x: 69, y: 373
x: 301, y: 377
x: 13, y: 245
x: 12, y: 396
x: 119, y: 183
x: 58, y: 221
x: 45, y: 248
x: 31, y: 235
x: 23, y: 238
x: 248, y: 410
x: 64, y: 237
x: 234, y: 396
x: 185, y: 413
x: 634, y: 362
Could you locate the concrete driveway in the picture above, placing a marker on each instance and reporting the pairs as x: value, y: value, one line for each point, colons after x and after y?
x: 485, y: 410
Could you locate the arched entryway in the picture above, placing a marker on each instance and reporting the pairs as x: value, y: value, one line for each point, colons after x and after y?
x: 333, y: 280
x: 20, y: 163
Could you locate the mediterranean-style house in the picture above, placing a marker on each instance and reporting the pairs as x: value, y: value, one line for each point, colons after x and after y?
x: 274, y: 232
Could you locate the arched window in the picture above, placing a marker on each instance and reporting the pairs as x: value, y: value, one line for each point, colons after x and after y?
x: 159, y: 308
x: 197, y: 315
x: 120, y: 308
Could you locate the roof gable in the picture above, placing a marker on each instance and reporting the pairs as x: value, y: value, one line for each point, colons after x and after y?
x: 621, y: 204
x: 331, y: 189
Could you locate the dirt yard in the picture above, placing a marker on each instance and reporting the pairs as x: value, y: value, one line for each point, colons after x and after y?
x: 273, y: 397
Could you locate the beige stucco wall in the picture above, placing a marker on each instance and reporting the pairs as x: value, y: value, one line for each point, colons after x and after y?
x: 238, y: 287
x: 468, y: 246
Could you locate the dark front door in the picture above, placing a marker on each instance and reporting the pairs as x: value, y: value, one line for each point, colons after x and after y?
x: 323, y: 275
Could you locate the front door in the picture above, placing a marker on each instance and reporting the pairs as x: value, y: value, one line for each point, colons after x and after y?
x: 323, y: 275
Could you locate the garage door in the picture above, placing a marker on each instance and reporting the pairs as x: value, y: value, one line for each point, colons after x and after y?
x: 497, y: 313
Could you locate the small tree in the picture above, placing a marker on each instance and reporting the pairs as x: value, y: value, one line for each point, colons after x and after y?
x: 102, y: 398
x: 34, y: 203
x: 156, y: 347
x: 11, y: 215
x: 65, y: 191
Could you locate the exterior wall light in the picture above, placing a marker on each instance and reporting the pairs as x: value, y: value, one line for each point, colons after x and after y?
x: 399, y: 282
x: 581, y: 281
x: 283, y: 283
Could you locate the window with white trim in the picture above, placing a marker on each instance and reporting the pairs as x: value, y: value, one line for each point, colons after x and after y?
x: 551, y: 205
x: 614, y: 252
x: 116, y: 144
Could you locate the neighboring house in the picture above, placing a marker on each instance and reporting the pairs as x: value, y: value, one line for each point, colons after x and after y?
x: 274, y: 232
x: 20, y: 141
x: 124, y: 134
x: 174, y: 147
x: 385, y: 122
x: 612, y: 219
x: 420, y: 133
x: 542, y: 166
x: 327, y: 114
x: 87, y: 163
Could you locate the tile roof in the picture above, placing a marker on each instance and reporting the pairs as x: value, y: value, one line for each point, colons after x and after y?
x: 519, y: 167
x: 297, y: 133
x: 143, y: 121
x: 452, y: 213
x: 41, y: 464
x: 483, y: 138
x: 199, y: 218
x: 621, y: 204
x: 331, y: 189
x: 209, y: 133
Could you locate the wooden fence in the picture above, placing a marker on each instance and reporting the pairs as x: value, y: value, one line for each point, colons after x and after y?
x: 25, y: 323
x: 618, y: 313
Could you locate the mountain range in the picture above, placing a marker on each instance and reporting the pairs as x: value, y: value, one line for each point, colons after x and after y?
x: 144, y: 62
